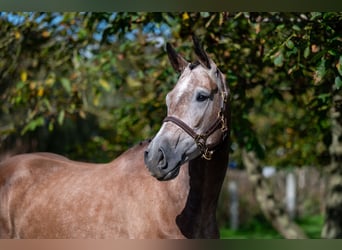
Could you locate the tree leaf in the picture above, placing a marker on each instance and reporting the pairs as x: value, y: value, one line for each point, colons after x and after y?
x: 278, y: 60
x: 66, y: 84
x: 296, y: 27
x: 289, y: 44
x: 40, y: 92
x: 320, y: 71
x: 104, y: 84
x: 47, y: 104
x: 307, y: 51
x: 33, y: 124
x: 23, y: 76
x: 185, y: 16
x: 50, y: 127
x: 339, y: 66
x: 324, y: 97
x: 338, y: 83
x: 133, y: 83
x: 60, y: 118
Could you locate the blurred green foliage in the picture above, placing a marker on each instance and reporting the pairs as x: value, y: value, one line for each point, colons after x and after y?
x: 90, y: 85
x: 260, y: 228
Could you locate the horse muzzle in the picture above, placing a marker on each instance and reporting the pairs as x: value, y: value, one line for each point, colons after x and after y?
x: 162, y: 163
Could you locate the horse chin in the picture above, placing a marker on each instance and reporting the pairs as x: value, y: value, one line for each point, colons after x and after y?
x: 171, y: 174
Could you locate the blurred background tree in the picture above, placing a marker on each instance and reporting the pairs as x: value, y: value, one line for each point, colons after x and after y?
x: 90, y: 85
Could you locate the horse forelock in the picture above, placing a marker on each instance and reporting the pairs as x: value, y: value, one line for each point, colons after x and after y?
x: 194, y: 64
x: 193, y: 76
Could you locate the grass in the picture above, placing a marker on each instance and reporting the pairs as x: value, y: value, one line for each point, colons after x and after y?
x: 260, y: 228
x: 312, y: 226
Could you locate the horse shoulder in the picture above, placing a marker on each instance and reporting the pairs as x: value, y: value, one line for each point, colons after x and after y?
x: 14, y: 181
x: 32, y: 186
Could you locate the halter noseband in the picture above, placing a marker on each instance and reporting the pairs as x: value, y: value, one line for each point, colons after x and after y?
x: 201, y: 139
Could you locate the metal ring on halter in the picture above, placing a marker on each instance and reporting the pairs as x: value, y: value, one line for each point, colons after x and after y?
x: 207, y: 154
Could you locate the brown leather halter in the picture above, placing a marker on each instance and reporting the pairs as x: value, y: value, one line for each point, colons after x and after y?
x: 201, y: 139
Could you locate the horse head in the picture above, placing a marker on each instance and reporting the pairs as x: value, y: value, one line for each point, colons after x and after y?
x: 196, y: 119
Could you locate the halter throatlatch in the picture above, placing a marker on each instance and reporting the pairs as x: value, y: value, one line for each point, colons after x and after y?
x: 201, y: 139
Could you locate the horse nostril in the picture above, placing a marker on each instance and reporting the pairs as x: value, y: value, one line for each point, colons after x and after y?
x: 162, y: 163
x: 146, y: 154
x: 161, y: 155
x: 183, y: 157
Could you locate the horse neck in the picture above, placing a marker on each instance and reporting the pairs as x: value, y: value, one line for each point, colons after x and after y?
x: 198, y: 218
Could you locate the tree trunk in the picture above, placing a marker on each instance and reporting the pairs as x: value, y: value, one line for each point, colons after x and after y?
x: 269, y: 206
x: 332, y: 228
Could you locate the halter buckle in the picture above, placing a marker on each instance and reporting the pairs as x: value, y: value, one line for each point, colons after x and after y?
x: 200, y: 141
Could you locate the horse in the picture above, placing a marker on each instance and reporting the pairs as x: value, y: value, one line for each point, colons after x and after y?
x: 167, y: 187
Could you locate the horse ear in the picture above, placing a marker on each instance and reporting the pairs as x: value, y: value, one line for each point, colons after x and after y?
x: 177, y: 61
x: 202, y: 55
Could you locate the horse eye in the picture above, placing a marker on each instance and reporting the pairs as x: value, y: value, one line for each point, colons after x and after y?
x: 201, y: 98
